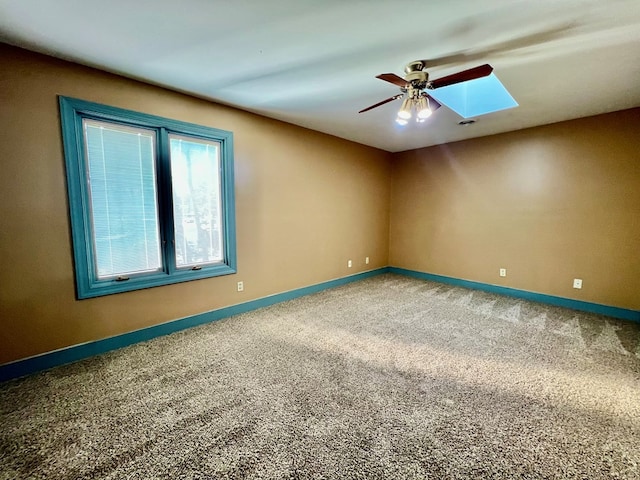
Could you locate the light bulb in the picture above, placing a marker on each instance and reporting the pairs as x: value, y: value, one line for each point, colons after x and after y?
x: 424, y: 111
x: 405, y: 109
x: 401, y: 121
x: 424, y: 114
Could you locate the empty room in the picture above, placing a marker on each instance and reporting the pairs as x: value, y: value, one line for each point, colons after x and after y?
x: 320, y: 240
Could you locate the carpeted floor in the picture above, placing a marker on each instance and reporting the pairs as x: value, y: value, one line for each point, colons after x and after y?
x: 387, y: 378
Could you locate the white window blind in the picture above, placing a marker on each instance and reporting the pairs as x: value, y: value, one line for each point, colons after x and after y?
x: 123, y: 199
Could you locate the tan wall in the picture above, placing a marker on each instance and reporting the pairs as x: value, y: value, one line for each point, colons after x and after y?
x: 305, y: 203
x: 550, y: 204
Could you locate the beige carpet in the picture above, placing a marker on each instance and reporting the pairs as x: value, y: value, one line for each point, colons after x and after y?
x: 387, y: 378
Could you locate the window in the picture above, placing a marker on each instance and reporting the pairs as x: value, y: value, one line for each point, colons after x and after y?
x: 150, y: 199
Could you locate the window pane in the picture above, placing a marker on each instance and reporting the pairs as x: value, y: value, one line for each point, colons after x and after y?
x: 195, y: 173
x: 123, y: 198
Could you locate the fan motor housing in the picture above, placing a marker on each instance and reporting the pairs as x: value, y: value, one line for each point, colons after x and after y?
x: 416, y: 76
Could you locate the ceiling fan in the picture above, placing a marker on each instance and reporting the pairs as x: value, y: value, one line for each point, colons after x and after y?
x: 413, y: 87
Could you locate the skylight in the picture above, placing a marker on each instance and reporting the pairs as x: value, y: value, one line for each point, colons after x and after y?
x: 475, y: 97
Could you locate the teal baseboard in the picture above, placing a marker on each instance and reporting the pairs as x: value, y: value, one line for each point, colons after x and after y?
x: 615, y: 312
x: 27, y: 366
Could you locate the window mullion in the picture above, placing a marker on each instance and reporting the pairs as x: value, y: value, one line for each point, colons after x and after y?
x: 165, y: 190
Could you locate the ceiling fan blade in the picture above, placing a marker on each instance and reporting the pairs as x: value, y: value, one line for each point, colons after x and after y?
x: 500, y: 48
x: 464, y: 76
x: 390, y: 99
x: 392, y: 78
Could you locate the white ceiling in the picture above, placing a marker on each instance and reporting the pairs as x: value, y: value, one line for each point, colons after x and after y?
x: 313, y: 62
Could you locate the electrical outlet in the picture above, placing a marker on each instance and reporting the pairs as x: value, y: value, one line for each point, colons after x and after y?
x: 503, y: 272
x: 349, y: 264
x: 240, y: 286
x: 577, y: 283
x: 366, y: 260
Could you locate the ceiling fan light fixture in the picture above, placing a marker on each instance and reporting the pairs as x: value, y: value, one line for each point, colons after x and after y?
x: 424, y: 111
x: 405, y: 109
x: 414, y: 96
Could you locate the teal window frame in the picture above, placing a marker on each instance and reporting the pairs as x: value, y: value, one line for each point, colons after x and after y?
x: 72, y: 113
